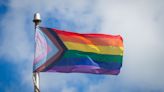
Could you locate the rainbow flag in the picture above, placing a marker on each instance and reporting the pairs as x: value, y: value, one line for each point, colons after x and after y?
x: 61, y: 51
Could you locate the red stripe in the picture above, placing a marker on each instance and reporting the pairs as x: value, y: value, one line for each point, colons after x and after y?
x: 92, y: 39
x: 86, y: 35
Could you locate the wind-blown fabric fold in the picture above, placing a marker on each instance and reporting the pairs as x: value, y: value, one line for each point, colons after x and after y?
x: 62, y: 51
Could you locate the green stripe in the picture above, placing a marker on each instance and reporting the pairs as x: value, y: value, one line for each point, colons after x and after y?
x: 93, y: 56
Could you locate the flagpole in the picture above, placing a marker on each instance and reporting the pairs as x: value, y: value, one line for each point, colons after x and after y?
x: 36, y: 78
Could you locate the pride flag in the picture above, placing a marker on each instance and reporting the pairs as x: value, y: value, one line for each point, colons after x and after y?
x: 61, y: 51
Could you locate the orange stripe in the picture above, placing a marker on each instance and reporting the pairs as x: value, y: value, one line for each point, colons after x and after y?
x: 102, y: 41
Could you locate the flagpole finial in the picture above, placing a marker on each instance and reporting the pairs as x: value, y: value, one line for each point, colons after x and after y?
x: 37, y: 19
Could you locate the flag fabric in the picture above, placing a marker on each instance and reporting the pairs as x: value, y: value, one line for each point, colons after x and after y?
x: 62, y: 51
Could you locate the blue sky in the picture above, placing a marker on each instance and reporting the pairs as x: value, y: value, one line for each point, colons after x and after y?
x: 140, y: 22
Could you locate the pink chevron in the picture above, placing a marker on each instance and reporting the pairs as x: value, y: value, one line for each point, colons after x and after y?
x: 41, y: 46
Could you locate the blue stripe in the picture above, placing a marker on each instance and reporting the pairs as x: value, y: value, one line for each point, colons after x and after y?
x: 73, y: 61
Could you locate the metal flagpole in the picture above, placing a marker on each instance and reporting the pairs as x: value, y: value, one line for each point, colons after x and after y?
x: 36, y: 20
x: 36, y: 81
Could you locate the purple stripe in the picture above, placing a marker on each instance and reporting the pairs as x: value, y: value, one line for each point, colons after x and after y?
x: 82, y: 69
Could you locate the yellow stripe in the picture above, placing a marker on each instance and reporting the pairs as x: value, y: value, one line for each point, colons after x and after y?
x: 94, y: 48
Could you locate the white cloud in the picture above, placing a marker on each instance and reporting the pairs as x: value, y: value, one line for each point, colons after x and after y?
x: 136, y: 22
x: 140, y: 22
x: 62, y: 82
